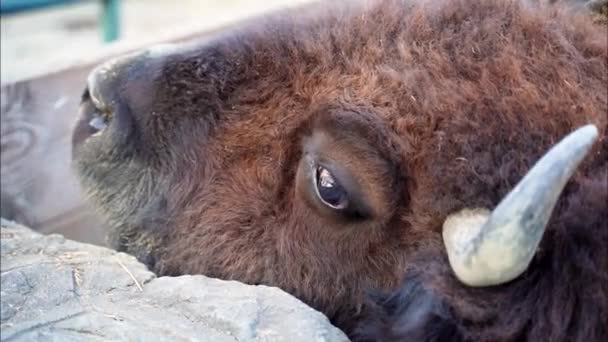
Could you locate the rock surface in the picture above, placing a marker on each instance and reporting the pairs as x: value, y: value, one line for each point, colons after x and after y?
x: 54, y: 289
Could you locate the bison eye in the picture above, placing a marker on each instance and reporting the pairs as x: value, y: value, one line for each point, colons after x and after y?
x: 329, y: 190
x: 332, y: 189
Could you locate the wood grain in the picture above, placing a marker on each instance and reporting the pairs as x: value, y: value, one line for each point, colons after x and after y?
x: 38, y: 185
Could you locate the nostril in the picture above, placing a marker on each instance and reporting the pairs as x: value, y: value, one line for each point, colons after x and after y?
x: 83, y: 128
x: 108, y: 90
x: 98, y: 123
x: 96, y: 118
x: 104, y: 82
x: 129, y: 80
x: 119, y: 93
x: 122, y: 80
x: 119, y: 96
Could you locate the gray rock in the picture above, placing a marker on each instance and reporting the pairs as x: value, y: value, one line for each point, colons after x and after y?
x: 55, y: 289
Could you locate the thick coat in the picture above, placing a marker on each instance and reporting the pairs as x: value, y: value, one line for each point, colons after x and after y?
x: 202, y: 155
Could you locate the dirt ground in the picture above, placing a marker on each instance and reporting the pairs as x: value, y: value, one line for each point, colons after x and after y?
x: 37, y: 41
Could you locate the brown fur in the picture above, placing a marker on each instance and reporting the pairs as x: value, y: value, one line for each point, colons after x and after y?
x: 432, y: 107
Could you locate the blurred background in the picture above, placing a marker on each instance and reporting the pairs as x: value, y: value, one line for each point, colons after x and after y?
x: 39, y: 34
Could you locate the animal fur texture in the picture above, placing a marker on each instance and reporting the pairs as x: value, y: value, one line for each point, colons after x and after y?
x: 424, y: 107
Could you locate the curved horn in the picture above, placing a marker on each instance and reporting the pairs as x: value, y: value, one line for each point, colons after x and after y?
x: 486, y: 248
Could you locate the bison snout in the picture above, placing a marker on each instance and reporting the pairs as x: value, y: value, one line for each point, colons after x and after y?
x: 124, y: 88
x: 119, y: 98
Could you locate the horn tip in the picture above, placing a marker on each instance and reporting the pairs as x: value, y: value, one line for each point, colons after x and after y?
x: 589, y: 130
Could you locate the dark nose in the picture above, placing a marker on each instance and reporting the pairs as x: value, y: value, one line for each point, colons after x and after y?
x: 129, y: 78
x: 125, y: 83
x: 120, y: 92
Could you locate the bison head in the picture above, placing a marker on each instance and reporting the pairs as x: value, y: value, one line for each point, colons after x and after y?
x: 334, y: 150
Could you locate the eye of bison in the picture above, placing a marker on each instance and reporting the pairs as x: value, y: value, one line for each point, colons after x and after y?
x: 335, y: 183
x: 329, y: 190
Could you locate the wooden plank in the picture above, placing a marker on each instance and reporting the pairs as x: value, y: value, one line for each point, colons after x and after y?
x: 38, y: 185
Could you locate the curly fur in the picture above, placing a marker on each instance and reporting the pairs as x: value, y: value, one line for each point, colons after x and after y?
x: 434, y: 106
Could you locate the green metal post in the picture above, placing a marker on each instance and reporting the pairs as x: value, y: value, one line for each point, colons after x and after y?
x: 110, y: 20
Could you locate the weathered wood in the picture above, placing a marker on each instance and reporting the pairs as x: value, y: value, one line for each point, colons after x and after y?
x: 38, y: 185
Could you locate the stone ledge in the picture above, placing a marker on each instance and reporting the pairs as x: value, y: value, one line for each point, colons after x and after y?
x: 57, y: 289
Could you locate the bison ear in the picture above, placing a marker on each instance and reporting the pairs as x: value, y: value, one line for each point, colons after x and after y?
x: 412, y: 313
x: 486, y: 249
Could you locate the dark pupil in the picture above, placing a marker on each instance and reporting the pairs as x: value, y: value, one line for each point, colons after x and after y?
x: 329, y: 189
